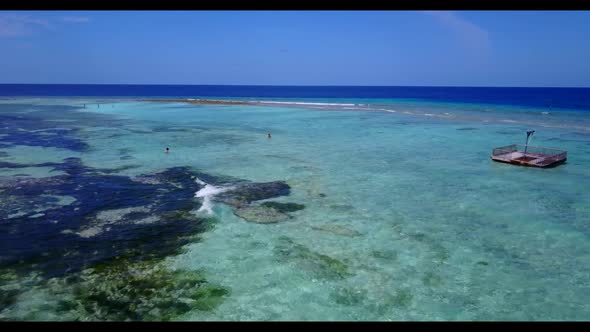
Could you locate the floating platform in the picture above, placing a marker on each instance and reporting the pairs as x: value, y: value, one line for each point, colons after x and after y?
x: 535, y: 156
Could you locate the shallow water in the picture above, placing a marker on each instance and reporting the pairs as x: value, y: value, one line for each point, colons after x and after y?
x: 405, y: 218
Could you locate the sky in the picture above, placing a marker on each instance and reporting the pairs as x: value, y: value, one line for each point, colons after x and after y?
x: 384, y: 48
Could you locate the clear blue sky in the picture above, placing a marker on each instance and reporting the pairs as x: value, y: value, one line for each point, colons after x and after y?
x: 462, y: 48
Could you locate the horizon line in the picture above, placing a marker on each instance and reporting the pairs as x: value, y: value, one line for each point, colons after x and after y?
x: 344, y: 86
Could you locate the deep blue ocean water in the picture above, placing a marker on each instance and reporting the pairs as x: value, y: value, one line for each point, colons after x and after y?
x: 565, y: 98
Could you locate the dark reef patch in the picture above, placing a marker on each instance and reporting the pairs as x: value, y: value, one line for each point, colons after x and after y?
x: 118, y: 169
x: 267, y: 212
x: 260, y: 214
x: 109, y: 215
x: 62, y: 138
x: 52, y: 242
x: 124, y: 151
x: 27, y: 129
x: 284, y: 207
x: 48, y: 125
x: 245, y: 193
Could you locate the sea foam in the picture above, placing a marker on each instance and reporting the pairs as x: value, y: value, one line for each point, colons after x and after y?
x: 207, y: 193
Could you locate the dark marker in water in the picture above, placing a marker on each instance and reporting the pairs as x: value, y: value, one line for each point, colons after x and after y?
x: 166, y: 151
x: 268, y: 135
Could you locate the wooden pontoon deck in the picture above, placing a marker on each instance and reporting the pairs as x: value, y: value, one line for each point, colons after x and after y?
x: 535, y: 156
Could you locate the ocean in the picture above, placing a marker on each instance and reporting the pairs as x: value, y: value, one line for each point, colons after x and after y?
x: 365, y: 204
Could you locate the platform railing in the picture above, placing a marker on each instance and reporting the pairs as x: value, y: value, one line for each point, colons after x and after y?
x: 505, y: 150
x: 555, y: 153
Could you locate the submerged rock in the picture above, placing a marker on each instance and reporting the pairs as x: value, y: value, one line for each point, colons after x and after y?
x: 284, y: 207
x: 267, y: 212
x: 260, y: 214
x: 319, y: 265
x: 133, y: 215
x: 245, y: 193
x: 342, y: 207
x: 118, y: 214
x: 337, y: 230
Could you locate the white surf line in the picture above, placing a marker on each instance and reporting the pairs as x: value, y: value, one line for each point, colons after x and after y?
x: 207, y: 193
x: 301, y: 103
x: 314, y: 105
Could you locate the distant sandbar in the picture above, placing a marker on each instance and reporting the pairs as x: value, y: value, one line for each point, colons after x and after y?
x: 201, y: 101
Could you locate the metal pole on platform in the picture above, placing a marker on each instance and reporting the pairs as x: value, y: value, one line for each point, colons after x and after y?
x: 529, y: 133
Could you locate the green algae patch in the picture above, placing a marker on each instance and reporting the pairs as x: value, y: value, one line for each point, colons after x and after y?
x: 385, y: 254
x: 209, y: 297
x: 438, y: 252
x: 336, y: 230
x: 8, y: 292
x: 121, y: 290
x: 402, y: 298
x: 342, y: 207
x: 349, y: 296
x: 284, y: 207
x: 432, y: 279
x: 319, y: 265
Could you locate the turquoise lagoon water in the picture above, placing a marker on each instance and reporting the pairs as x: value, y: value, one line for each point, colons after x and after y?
x: 404, y: 198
